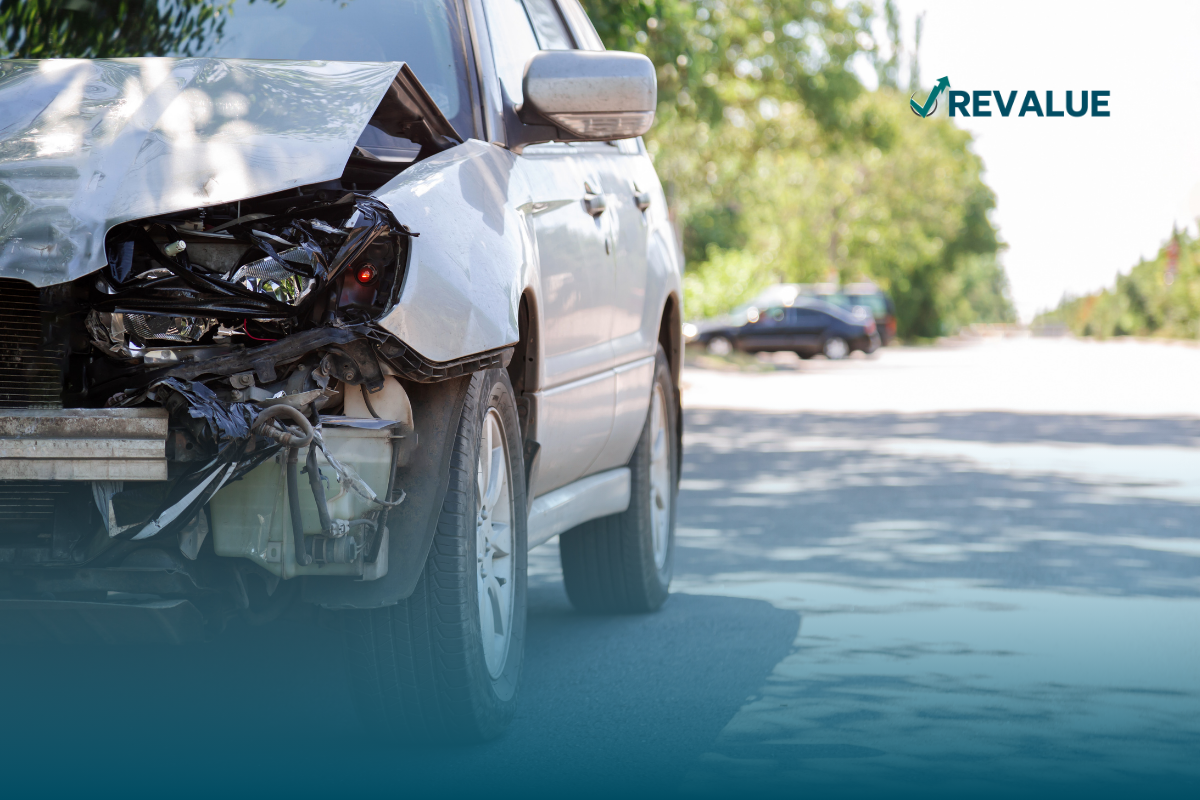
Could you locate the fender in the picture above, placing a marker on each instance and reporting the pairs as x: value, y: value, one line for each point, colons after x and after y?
x: 462, y: 287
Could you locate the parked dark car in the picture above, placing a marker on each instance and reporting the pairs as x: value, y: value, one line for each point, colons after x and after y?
x: 806, y: 327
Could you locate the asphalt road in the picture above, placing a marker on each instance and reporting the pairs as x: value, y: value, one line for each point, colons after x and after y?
x: 954, y: 570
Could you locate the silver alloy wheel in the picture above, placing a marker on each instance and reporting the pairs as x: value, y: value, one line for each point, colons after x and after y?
x: 836, y: 348
x: 720, y: 346
x: 494, y: 544
x: 660, y: 477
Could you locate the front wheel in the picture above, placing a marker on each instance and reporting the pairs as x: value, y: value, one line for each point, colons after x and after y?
x: 623, y: 563
x: 444, y: 664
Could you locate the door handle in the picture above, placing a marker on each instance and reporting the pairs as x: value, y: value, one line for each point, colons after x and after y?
x: 595, y: 204
x: 641, y: 200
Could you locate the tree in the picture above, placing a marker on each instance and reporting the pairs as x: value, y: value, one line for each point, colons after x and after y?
x: 781, y: 166
x: 107, y: 28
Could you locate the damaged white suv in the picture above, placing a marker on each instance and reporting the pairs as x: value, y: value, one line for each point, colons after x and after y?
x: 348, y: 305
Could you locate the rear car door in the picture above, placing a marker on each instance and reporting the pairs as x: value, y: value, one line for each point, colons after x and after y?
x: 574, y: 245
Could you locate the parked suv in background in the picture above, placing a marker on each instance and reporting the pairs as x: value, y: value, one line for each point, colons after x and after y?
x: 353, y: 326
x: 870, y: 296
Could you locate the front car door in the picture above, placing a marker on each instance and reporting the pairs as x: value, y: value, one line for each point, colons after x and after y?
x: 767, y: 333
x: 574, y: 247
x: 808, y: 328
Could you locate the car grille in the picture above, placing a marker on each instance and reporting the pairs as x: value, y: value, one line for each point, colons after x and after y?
x: 31, y: 374
x: 27, y: 511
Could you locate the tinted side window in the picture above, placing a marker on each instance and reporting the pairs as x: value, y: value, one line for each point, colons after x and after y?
x: 588, y: 38
x: 548, y: 25
x: 518, y: 30
x: 513, y: 42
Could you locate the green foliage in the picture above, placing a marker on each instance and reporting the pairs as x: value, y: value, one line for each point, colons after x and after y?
x: 1141, y: 303
x: 107, y: 28
x: 719, y: 226
x: 977, y: 291
x: 775, y: 157
x: 715, y: 55
x: 730, y: 277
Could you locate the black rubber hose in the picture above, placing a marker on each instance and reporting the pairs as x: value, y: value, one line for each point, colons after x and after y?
x: 293, y: 489
x: 318, y: 490
x: 367, y: 401
x: 381, y: 529
x: 286, y: 437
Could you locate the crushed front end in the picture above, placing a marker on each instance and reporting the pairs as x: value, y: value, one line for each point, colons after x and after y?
x: 228, y: 348
x: 203, y: 405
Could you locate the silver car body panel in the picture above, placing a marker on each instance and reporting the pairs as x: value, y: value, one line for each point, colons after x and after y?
x: 468, y: 266
x: 574, y: 504
x: 86, y: 145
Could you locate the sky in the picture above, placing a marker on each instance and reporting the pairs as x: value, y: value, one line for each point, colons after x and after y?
x: 1078, y: 199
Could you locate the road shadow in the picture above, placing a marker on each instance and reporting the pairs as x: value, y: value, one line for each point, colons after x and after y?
x: 609, y: 704
x: 756, y: 497
x: 997, y: 427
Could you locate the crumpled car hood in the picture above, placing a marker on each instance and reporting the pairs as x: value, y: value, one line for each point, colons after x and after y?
x: 86, y: 145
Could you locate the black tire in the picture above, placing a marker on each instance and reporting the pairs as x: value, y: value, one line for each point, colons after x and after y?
x: 719, y: 346
x: 608, y: 563
x: 835, y: 348
x: 418, y: 668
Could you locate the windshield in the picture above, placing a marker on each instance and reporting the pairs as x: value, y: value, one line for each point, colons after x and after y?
x: 426, y: 34
x: 423, y: 33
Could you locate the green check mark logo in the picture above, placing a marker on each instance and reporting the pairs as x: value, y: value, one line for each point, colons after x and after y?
x: 930, y: 102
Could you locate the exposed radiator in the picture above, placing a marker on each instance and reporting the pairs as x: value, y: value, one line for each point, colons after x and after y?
x: 27, y: 511
x: 31, y: 374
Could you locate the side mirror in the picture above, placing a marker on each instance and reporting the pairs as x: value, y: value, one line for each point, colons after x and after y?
x: 589, y: 96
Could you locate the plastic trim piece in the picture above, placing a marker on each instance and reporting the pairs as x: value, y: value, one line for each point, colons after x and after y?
x: 574, y: 504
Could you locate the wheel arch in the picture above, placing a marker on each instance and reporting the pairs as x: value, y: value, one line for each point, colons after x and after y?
x: 670, y: 335
x: 525, y: 374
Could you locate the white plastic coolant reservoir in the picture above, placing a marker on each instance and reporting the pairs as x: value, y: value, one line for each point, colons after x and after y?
x: 250, y: 517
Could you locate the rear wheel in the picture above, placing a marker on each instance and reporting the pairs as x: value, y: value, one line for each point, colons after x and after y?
x: 720, y: 346
x: 623, y: 563
x: 444, y: 664
x: 835, y: 348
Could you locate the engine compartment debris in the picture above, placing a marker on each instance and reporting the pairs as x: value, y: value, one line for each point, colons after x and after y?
x: 244, y: 326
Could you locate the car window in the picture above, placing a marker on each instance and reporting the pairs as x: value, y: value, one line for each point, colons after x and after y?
x: 513, y: 42
x: 839, y: 300
x: 588, y: 38
x: 872, y: 301
x: 548, y: 25
x: 773, y: 316
x: 809, y: 316
x: 425, y: 34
